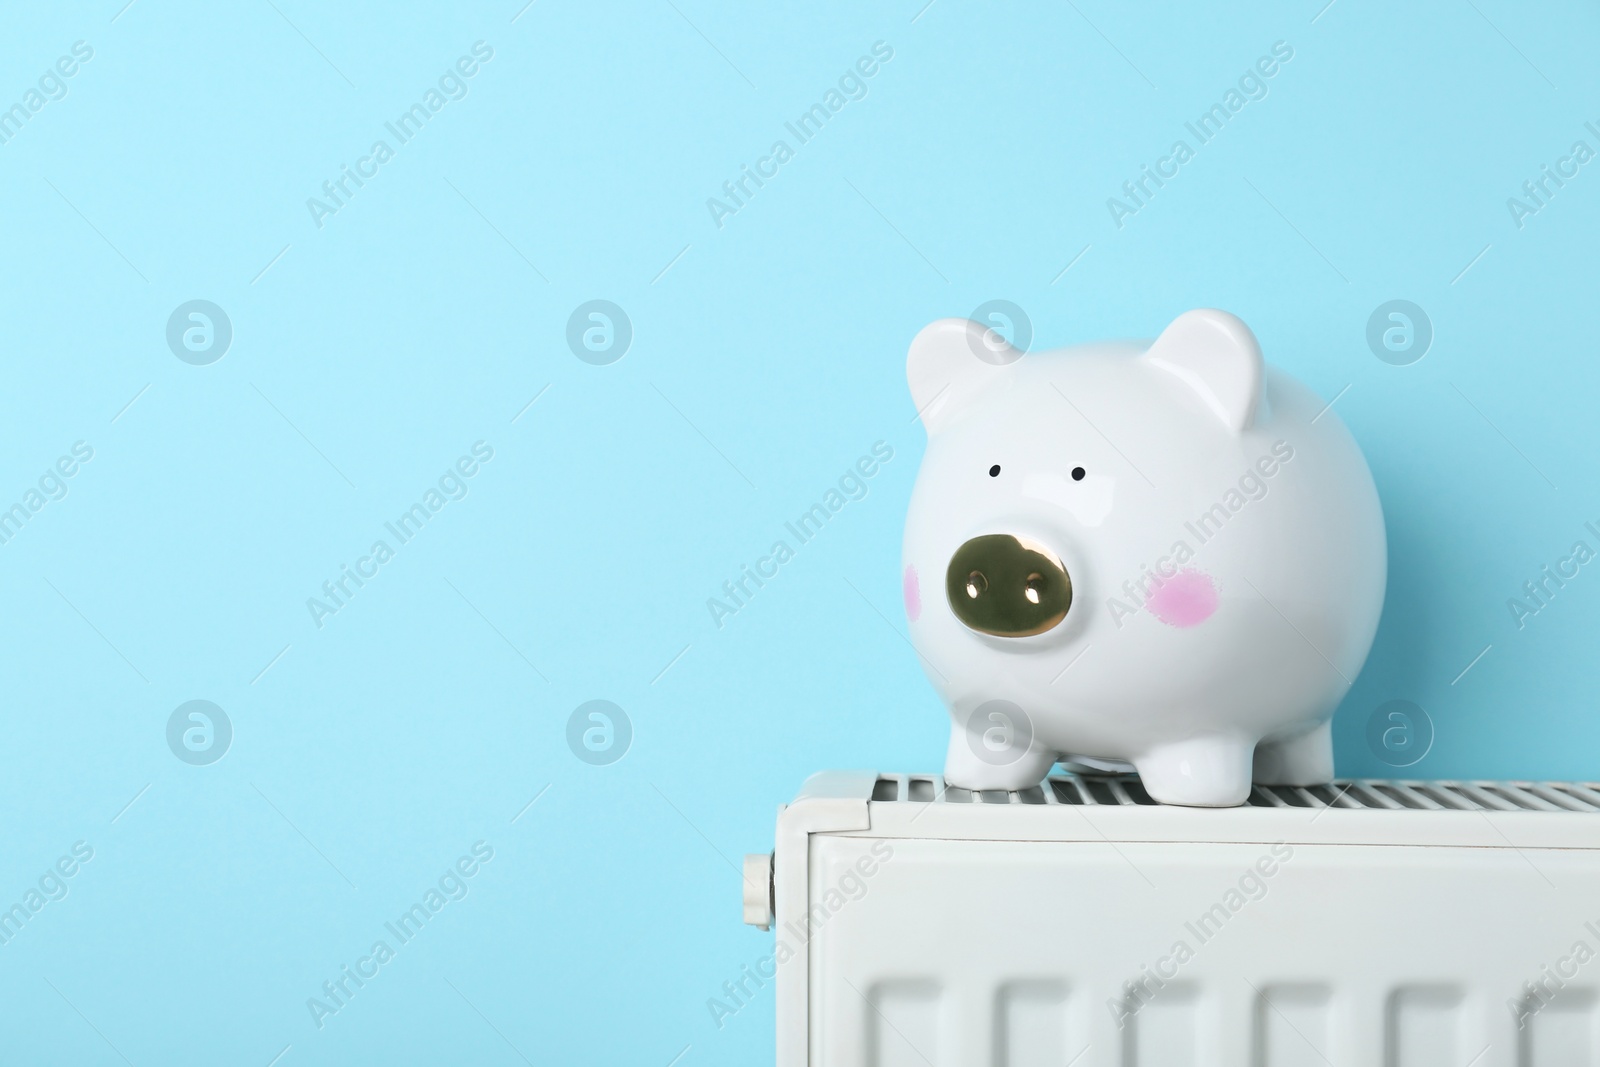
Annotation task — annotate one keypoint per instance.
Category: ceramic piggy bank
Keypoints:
(1165, 554)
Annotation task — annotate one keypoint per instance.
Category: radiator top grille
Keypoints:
(1373, 794)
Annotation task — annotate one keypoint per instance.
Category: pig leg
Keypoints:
(963, 767)
(1303, 760)
(1210, 771)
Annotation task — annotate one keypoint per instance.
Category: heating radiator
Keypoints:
(1079, 924)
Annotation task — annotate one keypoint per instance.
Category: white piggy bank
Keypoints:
(1162, 554)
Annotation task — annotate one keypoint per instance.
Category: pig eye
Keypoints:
(994, 471)
(1077, 474)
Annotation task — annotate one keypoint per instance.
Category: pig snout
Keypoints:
(1007, 586)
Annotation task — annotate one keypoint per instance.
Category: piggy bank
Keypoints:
(1164, 554)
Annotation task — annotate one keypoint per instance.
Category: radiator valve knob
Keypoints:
(758, 891)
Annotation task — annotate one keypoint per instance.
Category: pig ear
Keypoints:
(950, 362)
(1216, 356)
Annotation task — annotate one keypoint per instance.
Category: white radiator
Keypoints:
(1367, 923)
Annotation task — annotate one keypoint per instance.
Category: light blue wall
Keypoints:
(767, 356)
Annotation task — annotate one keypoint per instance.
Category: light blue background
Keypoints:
(374, 751)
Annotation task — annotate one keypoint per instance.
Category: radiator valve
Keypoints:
(758, 890)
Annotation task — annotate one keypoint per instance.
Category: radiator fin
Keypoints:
(1165, 1031)
(1125, 790)
(1423, 1028)
(1066, 791)
(1293, 1025)
(904, 1024)
(1565, 1029)
(1033, 1026)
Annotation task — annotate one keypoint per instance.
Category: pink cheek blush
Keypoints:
(912, 593)
(1188, 598)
